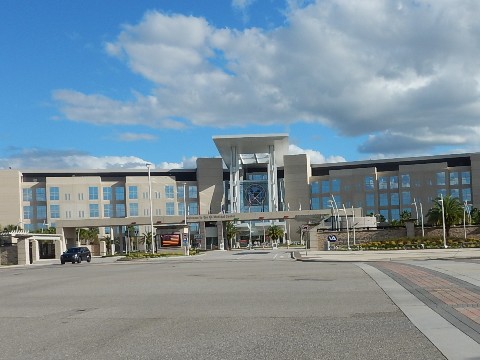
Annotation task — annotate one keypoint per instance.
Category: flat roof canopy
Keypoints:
(253, 149)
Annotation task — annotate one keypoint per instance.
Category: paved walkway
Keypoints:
(438, 290)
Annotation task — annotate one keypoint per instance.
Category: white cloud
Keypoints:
(72, 159)
(186, 163)
(136, 137)
(388, 69)
(315, 156)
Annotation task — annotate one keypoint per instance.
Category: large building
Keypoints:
(254, 175)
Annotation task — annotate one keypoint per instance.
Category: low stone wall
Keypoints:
(318, 239)
(8, 255)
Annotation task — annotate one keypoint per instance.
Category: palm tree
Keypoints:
(147, 237)
(231, 231)
(453, 210)
(275, 232)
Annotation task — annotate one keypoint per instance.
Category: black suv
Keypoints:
(76, 255)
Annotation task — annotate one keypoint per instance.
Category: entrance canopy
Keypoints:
(252, 149)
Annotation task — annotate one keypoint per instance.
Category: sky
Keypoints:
(88, 84)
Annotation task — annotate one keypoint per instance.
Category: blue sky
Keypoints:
(110, 84)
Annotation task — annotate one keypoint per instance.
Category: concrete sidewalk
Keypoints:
(385, 255)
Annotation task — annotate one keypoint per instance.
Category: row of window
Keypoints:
(386, 199)
(118, 192)
(392, 182)
(108, 211)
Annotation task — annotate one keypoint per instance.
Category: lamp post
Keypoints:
(348, 233)
(187, 248)
(443, 222)
(148, 165)
(421, 219)
(465, 205)
(336, 208)
(416, 209)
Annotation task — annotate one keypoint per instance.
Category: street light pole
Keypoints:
(443, 222)
(151, 206)
(464, 216)
(348, 233)
(187, 248)
(416, 209)
(421, 214)
(336, 208)
(353, 225)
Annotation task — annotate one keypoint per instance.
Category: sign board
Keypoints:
(185, 239)
(332, 238)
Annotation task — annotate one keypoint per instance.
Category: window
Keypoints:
(192, 192)
(369, 183)
(383, 199)
(27, 212)
(119, 193)
(120, 210)
(94, 213)
(181, 208)
(406, 200)
(395, 214)
(455, 193)
(27, 194)
(441, 178)
(55, 211)
(169, 192)
(92, 193)
(442, 192)
(106, 230)
(382, 183)
(335, 185)
(406, 180)
(326, 202)
(315, 187)
(394, 200)
(193, 208)
(41, 212)
(81, 214)
(465, 177)
(54, 193)
(325, 186)
(157, 195)
(133, 192)
(170, 208)
(370, 199)
(393, 182)
(80, 196)
(384, 213)
(107, 193)
(467, 194)
(67, 197)
(180, 192)
(107, 210)
(40, 194)
(68, 214)
(315, 203)
(454, 178)
(133, 209)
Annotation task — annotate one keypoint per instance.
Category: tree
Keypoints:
(147, 238)
(475, 216)
(453, 210)
(89, 235)
(275, 232)
(231, 231)
(405, 216)
(10, 228)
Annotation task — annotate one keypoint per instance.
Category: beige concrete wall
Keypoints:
(210, 185)
(11, 212)
(475, 170)
(297, 174)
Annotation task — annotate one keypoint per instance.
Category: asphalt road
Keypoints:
(245, 305)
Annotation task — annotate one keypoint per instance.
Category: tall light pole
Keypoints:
(353, 225)
(148, 165)
(443, 222)
(416, 210)
(348, 233)
(465, 205)
(336, 208)
(187, 248)
(421, 219)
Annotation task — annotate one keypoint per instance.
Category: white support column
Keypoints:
(35, 251)
(272, 180)
(234, 181)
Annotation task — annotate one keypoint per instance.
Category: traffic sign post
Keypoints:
(185, 243)
(331, 239)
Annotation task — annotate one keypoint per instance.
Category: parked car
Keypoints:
(76, 255)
